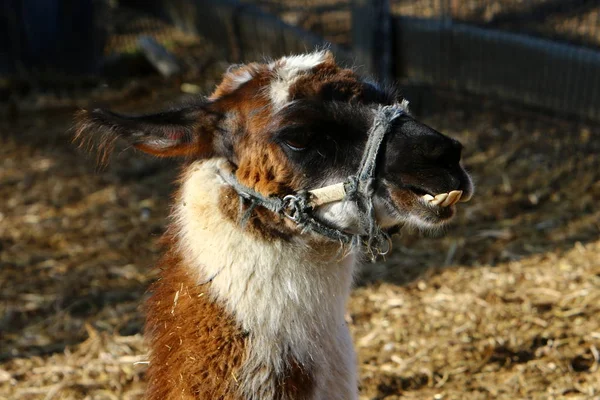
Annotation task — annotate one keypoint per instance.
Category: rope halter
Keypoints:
(359, 188)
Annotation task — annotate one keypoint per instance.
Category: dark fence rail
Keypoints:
(573, 21)
(243, 31)
(521, 68)
(43, 36)
(542, 53)
(480, 47)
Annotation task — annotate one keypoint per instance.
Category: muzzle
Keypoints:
(359, 188)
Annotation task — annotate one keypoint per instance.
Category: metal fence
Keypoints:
(543, 53)
(574, 21)
(330, 19)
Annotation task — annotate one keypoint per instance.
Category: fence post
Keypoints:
(372, 37)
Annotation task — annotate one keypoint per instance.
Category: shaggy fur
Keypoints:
(274, 289)
(255, 311)
(197, 349)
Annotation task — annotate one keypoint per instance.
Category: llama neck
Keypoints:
(282, 292)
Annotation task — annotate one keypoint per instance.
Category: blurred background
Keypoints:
(506, 305)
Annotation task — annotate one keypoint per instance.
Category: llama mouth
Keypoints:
(432, 210)
(393, 206)
(423, 209)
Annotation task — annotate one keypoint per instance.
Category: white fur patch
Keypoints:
(238, 77)
(404, 106)
(341, 214)
(286, 70)
(344, 215)
(242, 77)
(291, 300)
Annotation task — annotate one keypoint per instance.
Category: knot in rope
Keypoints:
(359, 189)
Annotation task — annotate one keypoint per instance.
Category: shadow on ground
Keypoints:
(77, 244)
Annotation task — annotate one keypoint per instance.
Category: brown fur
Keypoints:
(193, 141)
(328, 81)
(229, 85)
(102, 146)
(194, 344)
(261, 165)
(297, 383)
(263, 224)
(197, 349)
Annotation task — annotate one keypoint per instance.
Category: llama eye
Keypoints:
(296, 144)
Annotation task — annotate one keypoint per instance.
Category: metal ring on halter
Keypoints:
(389, 248)
(290, 208)
(358, 189)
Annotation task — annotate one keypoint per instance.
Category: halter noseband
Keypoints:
(359, 188)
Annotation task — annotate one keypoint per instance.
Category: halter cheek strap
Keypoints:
(359, 188)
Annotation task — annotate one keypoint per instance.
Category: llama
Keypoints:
(294, 170)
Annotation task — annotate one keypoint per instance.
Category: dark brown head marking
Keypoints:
(298, 123)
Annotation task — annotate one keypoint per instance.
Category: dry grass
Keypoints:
(505, 306)
(523, 329)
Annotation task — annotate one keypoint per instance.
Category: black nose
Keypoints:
(413, 144)
(423, 159)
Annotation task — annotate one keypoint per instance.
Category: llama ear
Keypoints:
(182, 132)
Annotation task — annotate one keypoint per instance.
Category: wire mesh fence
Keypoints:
(576, 21)
(544, 53)
(541, 53)
(329, 19)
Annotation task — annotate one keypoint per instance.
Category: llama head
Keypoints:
(301, 123)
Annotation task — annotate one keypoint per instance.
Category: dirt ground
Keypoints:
(506, 305)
